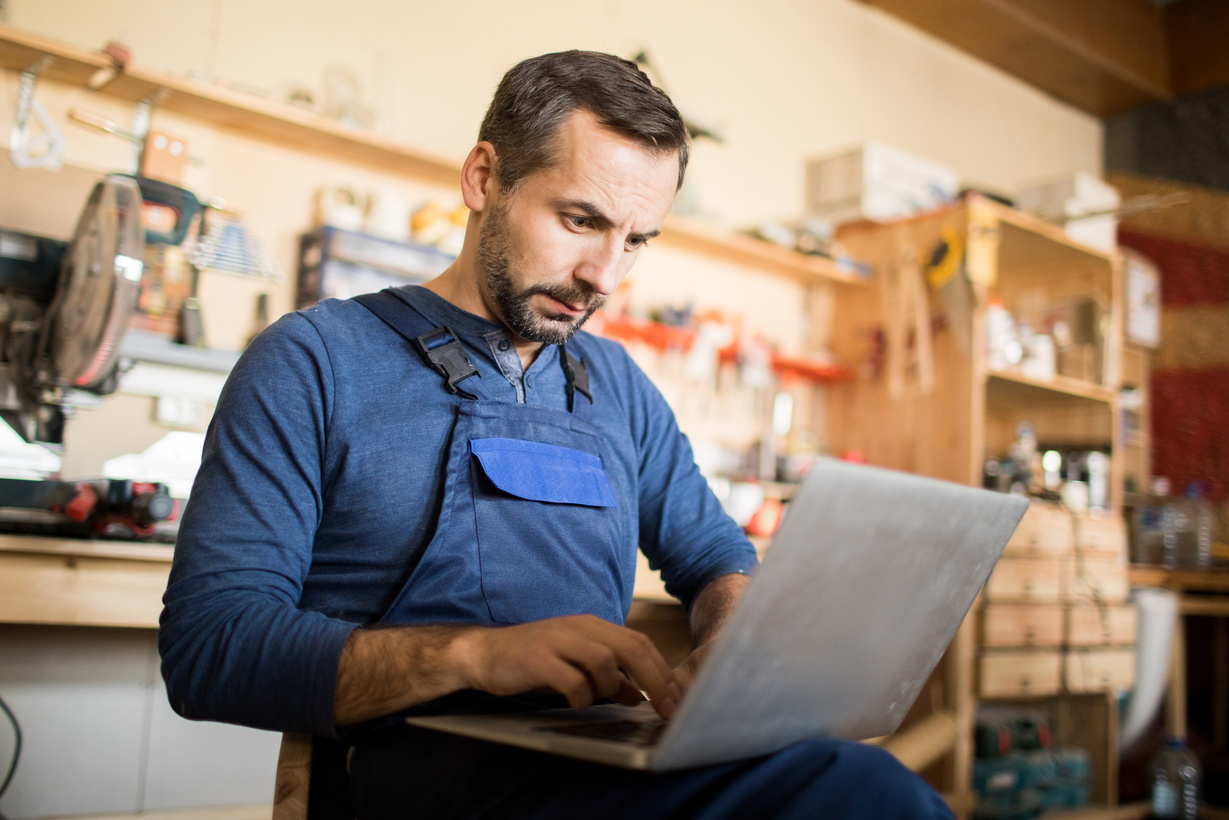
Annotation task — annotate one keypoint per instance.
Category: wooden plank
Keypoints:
(1197, 30)
(1103, 56)
(697, 236)
(1179, 579)
(133, 550)
(80, 590)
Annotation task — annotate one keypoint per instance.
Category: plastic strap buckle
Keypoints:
(446, 358)
(575, 374)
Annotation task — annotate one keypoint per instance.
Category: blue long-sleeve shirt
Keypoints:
(320, 483)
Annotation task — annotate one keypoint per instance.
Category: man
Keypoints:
(432, 500)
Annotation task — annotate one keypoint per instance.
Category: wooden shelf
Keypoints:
(1010, 386)
(747, 250)
(301, 128)
(1026, 242)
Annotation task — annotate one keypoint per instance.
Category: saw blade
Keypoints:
(99, 284)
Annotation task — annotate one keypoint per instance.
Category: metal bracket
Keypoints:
(138, 134)
(47, 149)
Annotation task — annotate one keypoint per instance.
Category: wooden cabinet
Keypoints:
(931, 399)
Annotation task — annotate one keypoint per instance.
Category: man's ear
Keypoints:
(478, 181)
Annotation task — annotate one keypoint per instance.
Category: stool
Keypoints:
(293, 779)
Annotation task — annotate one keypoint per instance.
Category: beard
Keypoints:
(513, 304)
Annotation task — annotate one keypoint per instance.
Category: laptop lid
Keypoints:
(866, 582)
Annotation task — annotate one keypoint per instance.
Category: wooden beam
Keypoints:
(1102, 56)
(1198, 31)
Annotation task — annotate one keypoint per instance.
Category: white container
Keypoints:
(876, 182)
(1069, 200)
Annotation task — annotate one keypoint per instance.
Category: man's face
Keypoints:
(550, 253)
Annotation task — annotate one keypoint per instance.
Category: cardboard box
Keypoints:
(876, 182)
(1069, 200)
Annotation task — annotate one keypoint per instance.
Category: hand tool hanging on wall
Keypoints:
(945, 272)
(26, 150)
(906, 309)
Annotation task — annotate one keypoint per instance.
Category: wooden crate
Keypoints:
(1045, 529)
(1092, 625)
(1011, 673)
(1098, 670)
(1092, 578)
(1021, 625)
(1020, 579)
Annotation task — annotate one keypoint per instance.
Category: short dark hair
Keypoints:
(538, 95)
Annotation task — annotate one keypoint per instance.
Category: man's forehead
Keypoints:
(596, 164)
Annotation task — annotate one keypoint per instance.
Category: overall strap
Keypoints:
(439, 346)
(576, 374)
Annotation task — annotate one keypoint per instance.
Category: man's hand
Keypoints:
(580, 656)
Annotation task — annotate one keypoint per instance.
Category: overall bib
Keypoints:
(530, 526)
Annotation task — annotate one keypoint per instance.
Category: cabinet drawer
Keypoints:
(1106, 535)
(1100, 579)
(1092, 625)
(1045, 529)
(1025, 579)
(1011, 673)
(1008, 625)
(1098, 670)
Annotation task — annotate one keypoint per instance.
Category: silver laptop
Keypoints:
(863, 588)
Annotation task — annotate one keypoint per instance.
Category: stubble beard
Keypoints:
(514, 305)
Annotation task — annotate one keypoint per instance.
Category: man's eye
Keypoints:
(581, 221)
(635, 242)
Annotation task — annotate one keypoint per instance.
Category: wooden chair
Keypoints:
(293, 779)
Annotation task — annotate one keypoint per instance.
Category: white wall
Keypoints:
(783, 79)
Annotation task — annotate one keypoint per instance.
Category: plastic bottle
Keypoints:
(1186, 525)
(1203, 521)
(1175, 783)
(1148, 537)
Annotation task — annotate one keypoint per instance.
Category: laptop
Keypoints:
(864, 586)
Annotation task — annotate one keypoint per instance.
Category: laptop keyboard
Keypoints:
(635, 732)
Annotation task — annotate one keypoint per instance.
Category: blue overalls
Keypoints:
(530, 528)
(533, 522)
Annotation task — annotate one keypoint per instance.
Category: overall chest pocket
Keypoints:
(549, 531)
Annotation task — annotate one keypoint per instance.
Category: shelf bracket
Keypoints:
(138, 134)
(47, 149)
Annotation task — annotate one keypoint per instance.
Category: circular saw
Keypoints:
(70, 344)
(100, 283)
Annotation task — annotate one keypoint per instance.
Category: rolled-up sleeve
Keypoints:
(684, 531)
(235, 646)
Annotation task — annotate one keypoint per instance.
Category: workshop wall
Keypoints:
(790, 81)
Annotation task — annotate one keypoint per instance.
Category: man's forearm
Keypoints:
(385, 670)
(583, 657)
(713, 606)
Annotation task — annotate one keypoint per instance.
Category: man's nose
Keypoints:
(603, 266)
